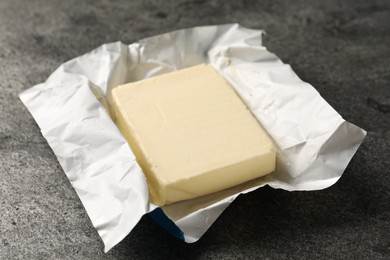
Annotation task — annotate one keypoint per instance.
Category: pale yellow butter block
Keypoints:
(191, 133)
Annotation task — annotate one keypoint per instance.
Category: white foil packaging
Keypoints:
(314, 142)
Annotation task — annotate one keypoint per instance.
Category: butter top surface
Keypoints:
(191, 125)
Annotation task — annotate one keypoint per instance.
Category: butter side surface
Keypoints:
(191, 133)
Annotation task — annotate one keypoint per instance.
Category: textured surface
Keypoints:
(341, 47)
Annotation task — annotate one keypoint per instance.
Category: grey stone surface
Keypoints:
(341, 47)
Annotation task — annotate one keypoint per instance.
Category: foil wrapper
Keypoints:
(72, 108)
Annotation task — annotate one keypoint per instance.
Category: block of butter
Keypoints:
(191, 134)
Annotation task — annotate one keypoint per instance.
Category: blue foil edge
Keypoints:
(159, 216)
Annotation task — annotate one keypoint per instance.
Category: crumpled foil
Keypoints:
(72, 108)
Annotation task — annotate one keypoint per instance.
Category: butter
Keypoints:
(191, 134)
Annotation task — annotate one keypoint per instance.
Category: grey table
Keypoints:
(340, 47)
